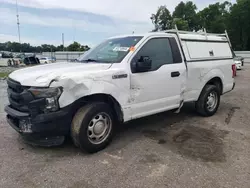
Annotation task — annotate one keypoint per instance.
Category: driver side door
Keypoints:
(159, 88)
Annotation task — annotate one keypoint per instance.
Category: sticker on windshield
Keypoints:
(132, 48)
(121, 49)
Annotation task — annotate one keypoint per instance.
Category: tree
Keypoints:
(59, 48)
(162, 20)
(84, 48)
(75, 46)
(181, 24)
(185, 13)
(214, 17)
(26, 47)
(239, 25)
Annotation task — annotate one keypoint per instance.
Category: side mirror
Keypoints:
(143, 64)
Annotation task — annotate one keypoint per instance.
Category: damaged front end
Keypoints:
(35, 114)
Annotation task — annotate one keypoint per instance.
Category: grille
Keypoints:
(16, 93)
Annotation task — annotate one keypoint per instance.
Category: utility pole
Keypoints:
(74, 36)
(18, 23)
(63, 40)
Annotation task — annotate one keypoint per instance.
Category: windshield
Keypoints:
(111, 51)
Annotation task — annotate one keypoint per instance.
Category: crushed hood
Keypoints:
(42, 75)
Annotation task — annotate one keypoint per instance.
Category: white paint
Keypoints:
(42, 75)
(139, 94)
(45, 60)
(205, 47)
(156, 91)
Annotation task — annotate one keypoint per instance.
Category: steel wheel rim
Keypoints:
(99, 128)
(212, 101)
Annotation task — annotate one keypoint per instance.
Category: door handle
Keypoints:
(175, 74)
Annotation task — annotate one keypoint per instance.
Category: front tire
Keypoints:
(93, 127)
(209, 101)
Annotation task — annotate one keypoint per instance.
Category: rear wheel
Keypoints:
(209, 101)
(92, 127)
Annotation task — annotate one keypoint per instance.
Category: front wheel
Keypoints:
(92, 127)
(209, 101)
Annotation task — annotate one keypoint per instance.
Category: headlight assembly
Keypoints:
(51, 96)
(46, 92)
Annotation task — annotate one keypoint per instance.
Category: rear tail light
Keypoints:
(233, 70)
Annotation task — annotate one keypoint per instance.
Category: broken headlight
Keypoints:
(51, 96)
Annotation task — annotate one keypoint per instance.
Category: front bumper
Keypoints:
(43, 129)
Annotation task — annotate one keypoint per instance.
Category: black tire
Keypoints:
(81, 123)
(45, 62)
(9, 63)
(202, 106)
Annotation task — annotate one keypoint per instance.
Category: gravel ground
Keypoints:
(165, 150)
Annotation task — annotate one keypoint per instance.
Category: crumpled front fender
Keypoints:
(74, 90)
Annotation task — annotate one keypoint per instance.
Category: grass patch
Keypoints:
(4, 74)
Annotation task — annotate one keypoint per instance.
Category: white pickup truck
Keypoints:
(123, 78)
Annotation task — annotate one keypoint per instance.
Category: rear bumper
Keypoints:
(43, 129)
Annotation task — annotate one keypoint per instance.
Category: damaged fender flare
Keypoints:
(106, 98)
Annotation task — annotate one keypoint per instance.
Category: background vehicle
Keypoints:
(239, 61)
(31, 60)
(123, 78)
(46, 60)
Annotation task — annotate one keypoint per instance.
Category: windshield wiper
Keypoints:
(88, 60)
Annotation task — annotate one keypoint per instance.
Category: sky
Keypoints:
(85, 21)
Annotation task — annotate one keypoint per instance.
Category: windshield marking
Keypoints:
(120, 49)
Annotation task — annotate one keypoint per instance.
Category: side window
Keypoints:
(158, 50)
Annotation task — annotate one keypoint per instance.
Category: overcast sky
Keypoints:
(85, 21)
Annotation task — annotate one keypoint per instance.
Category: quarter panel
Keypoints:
(199, 73)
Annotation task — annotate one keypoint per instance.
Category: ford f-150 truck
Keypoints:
(121, 79)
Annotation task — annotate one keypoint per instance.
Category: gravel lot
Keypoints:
(165, 150)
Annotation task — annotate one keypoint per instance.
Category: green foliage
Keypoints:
(239, 25)
(4, 74)
(186, 12)
(216, 18)
(75, 46)
(162, 19)
(181, 23)
(25, 47)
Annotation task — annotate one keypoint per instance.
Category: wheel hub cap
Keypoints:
(212, 101)
(99, 127)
